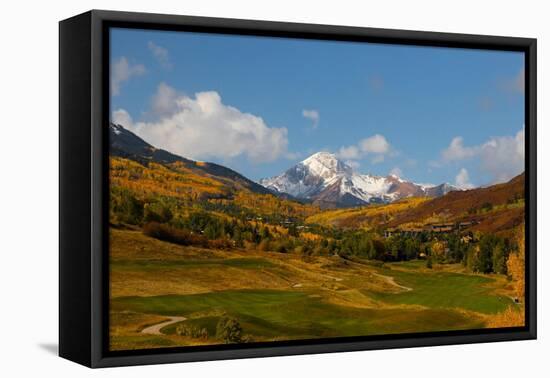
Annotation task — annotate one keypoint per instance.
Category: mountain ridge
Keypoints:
(326, 180)
(126, 144)
(493, 208)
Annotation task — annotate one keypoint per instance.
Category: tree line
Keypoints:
(200, 225)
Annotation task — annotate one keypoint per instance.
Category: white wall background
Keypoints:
(29, 187)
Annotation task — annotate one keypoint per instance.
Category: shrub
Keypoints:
(220, 244)
(249, 246)
(318, 250)
(264, 245)
(299, 249)
(173, 235)
(192, 331)
(487, 206)
(280, 246)
(229, 330)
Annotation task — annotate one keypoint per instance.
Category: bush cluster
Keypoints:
(174, 235)
(229, 330)
(192, 331)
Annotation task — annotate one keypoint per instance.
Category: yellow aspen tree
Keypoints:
(516, 265)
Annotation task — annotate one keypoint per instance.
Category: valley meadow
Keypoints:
(200, 255)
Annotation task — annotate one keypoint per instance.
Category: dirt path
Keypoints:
(392, 282)
(155, 329)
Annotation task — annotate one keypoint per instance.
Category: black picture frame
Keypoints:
(83, 181)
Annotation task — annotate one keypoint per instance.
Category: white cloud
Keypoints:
(354, 164)
(160, 54)
(500, 157)
(504, 157)
(396, 171)
(122, 71)
(462, 179)
(121, 117)
(203, 127)
(312, 115)
(376, 146)
(165, 100)
(350, 152)
(457, 150)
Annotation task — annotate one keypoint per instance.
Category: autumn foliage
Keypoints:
(513, 316)
(156, 179)
(516, 266)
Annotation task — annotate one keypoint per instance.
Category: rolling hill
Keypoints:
(498, 208)
(495, 208)
(125, 144)
(152, 175)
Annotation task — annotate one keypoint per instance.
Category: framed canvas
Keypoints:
(235, 188)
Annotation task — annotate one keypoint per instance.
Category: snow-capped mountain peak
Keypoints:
(326, 165)
(117, 129)
(325, 179)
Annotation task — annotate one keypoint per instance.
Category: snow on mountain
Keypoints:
(326, 180)
(325, 165)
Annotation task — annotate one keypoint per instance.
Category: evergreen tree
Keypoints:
(500, 257)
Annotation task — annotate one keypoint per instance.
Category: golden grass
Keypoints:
(143, 266)
(125, 322)
(364, 217)
(212, 272)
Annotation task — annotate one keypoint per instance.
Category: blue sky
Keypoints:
(430, 115)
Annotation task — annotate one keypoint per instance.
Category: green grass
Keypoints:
(312, 311)
(234, 300)
(412, 264)
(270, 314)
(444, 290)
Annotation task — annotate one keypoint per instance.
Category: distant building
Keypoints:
(437, 228)
(442, 227)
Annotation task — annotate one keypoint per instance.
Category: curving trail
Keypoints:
(392, 282)
(155, 329)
